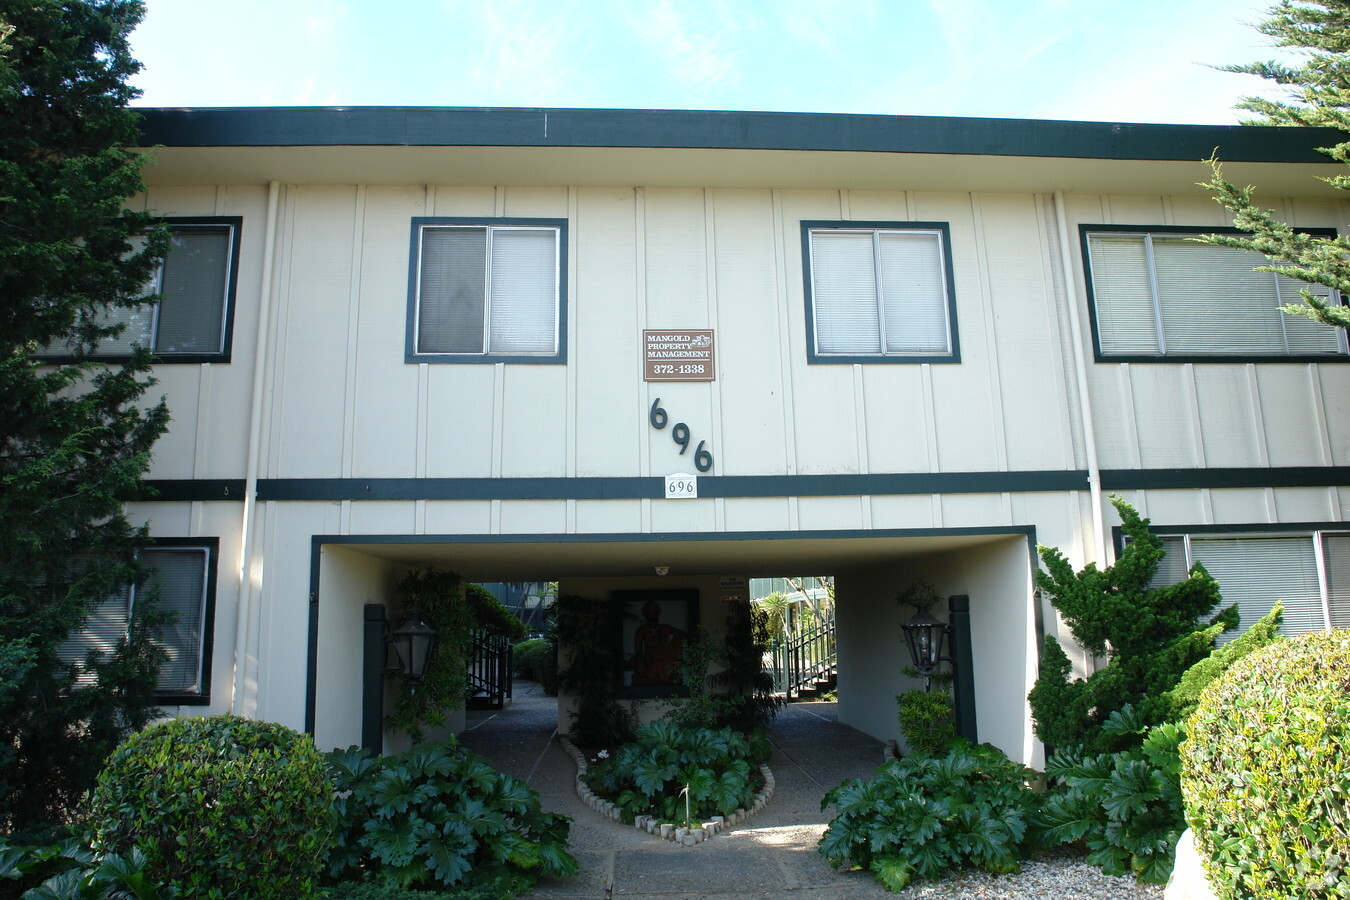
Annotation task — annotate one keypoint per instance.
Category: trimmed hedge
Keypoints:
(1266, 772)
(221, 806)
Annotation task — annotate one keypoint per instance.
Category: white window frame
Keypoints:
(1283, 289)
(231, 227)
(421, 226)
(76, 648)
(1318, 540)
(942, 277)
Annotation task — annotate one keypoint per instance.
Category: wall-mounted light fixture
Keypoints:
(413, 642)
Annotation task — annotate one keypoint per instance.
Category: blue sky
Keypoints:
(1098, 60)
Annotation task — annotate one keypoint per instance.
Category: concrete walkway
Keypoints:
(771, 855)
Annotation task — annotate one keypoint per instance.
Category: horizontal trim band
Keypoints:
(695, 129)
(744, 486)
(1255, 477)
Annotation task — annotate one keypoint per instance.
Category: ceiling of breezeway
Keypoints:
(539, 558)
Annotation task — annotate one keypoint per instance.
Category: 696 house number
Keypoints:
(679, 433)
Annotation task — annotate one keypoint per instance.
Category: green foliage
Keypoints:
(71, 871)
(924, 816)
(438, 815)
(73, 441)
(649, 776)
(537, 660)
(491, 615)
(1186, 695)
(365, 890)
(1150, 637)
(589, 630)
(440, 597)
(1126, 807)
(1265, 772)
(1318, 94)
(221, 806)
(927, 721)
(746, 689)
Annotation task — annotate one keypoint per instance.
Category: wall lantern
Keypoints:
(413, 642)
(924, 633)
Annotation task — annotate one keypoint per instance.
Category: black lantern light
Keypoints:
(413, 642)
(924, 634)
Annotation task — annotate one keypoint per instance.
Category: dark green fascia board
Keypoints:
(1254, 477)
(728, 486)
(653, 488)
(698, 129)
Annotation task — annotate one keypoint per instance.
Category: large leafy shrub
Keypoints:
(1149, 637)
(1125, 807)
(590, 661)
(650, 775)
(439, 815)
(221, 806)
(71, 870)
(923, 816)
(537, 660)
(1266, 772)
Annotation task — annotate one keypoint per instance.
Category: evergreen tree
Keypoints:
(1149, 637)
(74, 442)
(1318, 95)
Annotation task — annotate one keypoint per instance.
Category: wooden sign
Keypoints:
(677, 355)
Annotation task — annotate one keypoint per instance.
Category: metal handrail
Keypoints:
(805, 659)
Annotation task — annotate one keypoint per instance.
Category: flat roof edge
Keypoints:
(685, 129)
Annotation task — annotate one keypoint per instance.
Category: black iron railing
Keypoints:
(489, 671)
(805, 661)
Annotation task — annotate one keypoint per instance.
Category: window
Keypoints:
(483, 292)
(879, 292)
(196, 283)
(182, 581)
(1160, 294)
(1309, 573)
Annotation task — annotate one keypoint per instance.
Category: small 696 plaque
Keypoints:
(681, 487)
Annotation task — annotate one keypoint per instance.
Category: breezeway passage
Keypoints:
(773, 855)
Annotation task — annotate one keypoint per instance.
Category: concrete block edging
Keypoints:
(687, 837)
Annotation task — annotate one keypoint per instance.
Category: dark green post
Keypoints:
(375, 655)
(963, 662)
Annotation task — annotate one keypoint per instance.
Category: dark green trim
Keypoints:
(410, 354)
(815, 357)
(1180, 358)
(1255, 477)
(212, 547)
(653, 488)
(500, 127)
(183, 489)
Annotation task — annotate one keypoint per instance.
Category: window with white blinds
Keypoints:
(1308, 573)
(1160, 294)
(881, 293)
(195, 284)
(487, 291)
(179, 585)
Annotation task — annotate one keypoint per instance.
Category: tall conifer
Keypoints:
(74, 437)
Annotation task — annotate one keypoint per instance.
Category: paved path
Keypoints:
(771, 855)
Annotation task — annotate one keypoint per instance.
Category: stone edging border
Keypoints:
(685, 836)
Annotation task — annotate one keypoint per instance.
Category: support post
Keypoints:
(963, 661)
(375, 655)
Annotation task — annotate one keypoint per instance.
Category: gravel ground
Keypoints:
(1060, 877)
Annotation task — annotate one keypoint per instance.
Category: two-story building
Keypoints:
(887, 349)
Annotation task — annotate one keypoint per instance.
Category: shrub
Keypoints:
(1150, 637)
(438, 815)
(649, 775)
(925, 815)
(926, 721)
(1125, 807)
(221, 806)
(490, 614)
(537, 660)
(1265, 772)
(71, 869)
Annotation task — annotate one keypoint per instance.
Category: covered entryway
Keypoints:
(992, 567)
